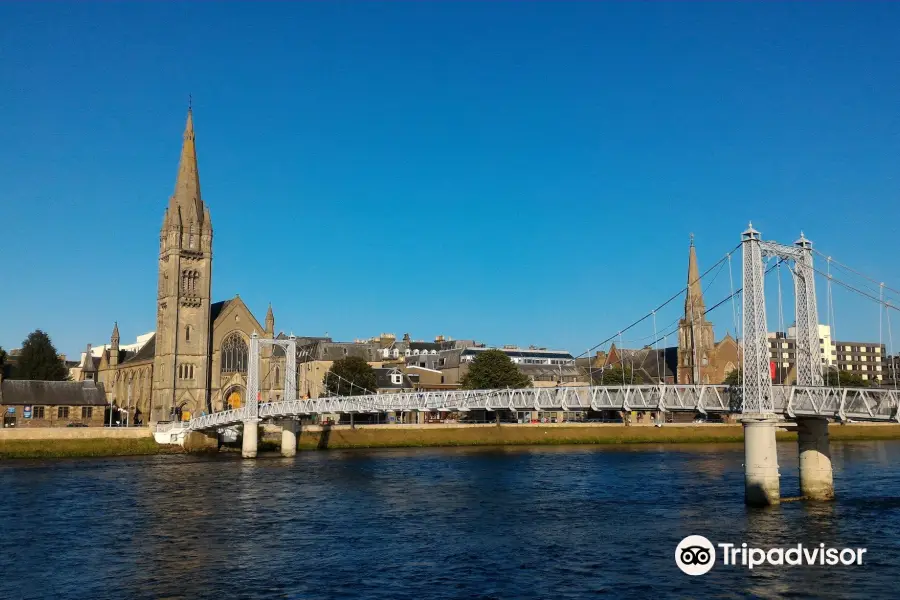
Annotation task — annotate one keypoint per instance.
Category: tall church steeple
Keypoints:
(694, 297)
(180, 367)
(695, 334)
(186, 201)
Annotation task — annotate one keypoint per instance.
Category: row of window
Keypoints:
(868, 349)
(843, 348)
(62, 412)
(185, 371)
(189, 281)
(395, 352)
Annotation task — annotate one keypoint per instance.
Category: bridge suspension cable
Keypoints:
(674, 296)
(840, 265)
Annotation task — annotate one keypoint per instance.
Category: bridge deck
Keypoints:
(862, 404)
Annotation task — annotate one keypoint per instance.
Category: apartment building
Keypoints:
(860, 358)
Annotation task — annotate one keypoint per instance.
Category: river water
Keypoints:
(536, 522)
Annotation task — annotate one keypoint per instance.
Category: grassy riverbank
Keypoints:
(83, 448)
(364, 437)
(511, 436)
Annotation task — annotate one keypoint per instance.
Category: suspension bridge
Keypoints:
(756, 401)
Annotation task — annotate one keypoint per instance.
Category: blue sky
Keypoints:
(513, 172)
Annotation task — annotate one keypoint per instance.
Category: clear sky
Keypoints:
(523, 173)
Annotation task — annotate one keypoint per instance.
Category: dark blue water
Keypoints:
(438, 523)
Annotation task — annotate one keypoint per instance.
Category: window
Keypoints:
(189, 281)
(277, 374)
(38, 412)
(396, 378)
(62, 412)
(235, 353)
(187, 333)
(87, 412)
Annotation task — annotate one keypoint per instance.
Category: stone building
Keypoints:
(26, 403)
(197, 359)
(700, 358)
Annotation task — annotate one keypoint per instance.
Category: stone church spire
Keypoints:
(270, 321)
(694, 296)
(181, 363)
(186, 204)
(696, 343)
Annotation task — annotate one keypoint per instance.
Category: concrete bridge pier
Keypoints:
(289, 438)
(249, 438)
(762, 485)
(816, 476)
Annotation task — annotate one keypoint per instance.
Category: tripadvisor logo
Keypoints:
(696, 555)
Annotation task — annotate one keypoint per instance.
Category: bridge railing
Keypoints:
(791, 401)
(841, 403)
(219, 419)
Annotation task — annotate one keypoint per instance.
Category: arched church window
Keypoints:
(187, 333)
(235, 353)
(277, 374)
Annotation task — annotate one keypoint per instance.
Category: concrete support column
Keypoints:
(249, 438)
(816, 476)
(289, 438)
(762, 486)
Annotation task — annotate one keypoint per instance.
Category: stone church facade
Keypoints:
(197, 359)
(700, 358)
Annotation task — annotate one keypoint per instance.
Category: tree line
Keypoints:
(37, 359)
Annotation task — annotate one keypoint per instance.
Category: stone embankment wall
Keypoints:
(75, 433)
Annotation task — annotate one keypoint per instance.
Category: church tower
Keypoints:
(696, 343)
(114, 346)
(181, 363)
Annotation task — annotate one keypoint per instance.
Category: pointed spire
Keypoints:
(186, 202)
(114, 338)
(270, 320)
(87, 366)
(695, 289)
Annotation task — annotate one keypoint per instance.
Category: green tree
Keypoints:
(617, 375)
(493, 369)
(40, 360)
(351, 376)
(844, 379)
(734, 378)
(2, 361)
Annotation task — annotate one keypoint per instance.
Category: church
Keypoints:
(197, 359)
(700, 358)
